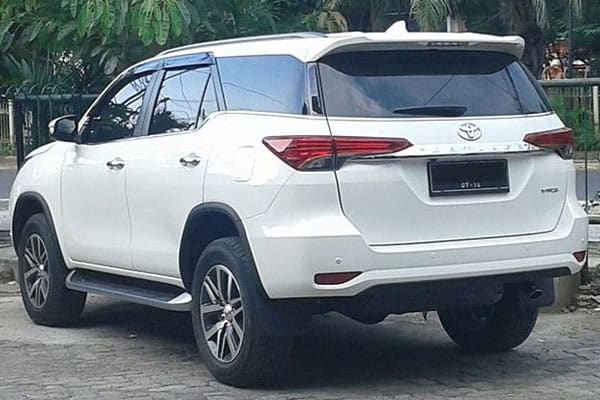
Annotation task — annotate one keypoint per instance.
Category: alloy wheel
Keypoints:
(222, 313)
(35, 274)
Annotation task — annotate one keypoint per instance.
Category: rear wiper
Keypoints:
(437, 111)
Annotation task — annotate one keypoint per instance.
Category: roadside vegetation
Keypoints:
(82, 44)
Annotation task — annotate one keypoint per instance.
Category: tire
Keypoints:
(490, 329)
(248, 359)
(47, 302)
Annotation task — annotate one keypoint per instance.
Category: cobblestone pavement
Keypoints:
(123, 351)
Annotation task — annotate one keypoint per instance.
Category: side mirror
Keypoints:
(63, 128)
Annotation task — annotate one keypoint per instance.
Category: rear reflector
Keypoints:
(318, 153)
(335, 278)
(579, 255)
(560, 140)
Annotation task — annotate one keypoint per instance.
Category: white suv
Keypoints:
(256, 182)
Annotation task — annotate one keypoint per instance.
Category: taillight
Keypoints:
(318, 153)
(560, 140)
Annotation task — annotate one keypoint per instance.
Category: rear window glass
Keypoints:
(404, 84)
(263, 83)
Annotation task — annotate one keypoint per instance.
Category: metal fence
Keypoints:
(30, 108)
(576, 94)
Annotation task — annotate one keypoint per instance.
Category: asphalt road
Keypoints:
(6, 179)
(8, 175)
(593, 184)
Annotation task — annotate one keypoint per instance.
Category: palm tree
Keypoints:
(527, 18)
(359, 15)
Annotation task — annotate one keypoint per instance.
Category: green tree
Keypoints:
(84, 42)
(77, 39)
(528, 18)
(536, 20)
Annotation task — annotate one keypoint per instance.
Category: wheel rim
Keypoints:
(35, 275)
(222, 313)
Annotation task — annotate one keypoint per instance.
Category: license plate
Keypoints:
(447, 178)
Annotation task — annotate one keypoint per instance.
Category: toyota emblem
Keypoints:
(469, 131)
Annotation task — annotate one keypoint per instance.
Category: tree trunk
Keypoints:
(365, 16)
(533, 57)
(520, 16)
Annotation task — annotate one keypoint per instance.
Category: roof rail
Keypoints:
(296, 35)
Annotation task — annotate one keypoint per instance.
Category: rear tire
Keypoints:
(496, 328)
(228, 312)
(42, 272)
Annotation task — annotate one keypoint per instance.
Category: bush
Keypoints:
(7, 149)
(580, 120)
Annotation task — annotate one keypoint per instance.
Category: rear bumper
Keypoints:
(289, 250)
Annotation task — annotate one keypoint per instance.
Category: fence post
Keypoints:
(596, 108)
(19, 145)
(11, 121)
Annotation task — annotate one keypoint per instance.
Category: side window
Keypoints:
(264, 83)
(184, 98)
(117, 117)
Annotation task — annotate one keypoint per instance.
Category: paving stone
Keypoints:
(403, 358)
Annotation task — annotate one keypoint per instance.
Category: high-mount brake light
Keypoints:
(560, 140)
(318, 153)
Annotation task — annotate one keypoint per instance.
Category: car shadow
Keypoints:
(335, 351)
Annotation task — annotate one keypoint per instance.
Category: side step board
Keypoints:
(139, 291)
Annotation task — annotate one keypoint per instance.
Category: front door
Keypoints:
(96, 225)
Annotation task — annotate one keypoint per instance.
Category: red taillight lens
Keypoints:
(335, 278)
(317, 153)
(580, 255)
(560, 140)
(303, 152)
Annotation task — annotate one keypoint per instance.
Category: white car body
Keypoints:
(374, 216)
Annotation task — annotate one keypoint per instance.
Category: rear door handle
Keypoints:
(191, 160)
(116, 164)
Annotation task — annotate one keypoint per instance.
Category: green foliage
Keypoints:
(152, 21)
(578, 119)
(85, 42)
(7, 149)
(431, 13)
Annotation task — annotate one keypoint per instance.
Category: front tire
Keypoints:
(42, 273)
(228, 312)
(491, 329)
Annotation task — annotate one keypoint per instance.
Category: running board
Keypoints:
(139, 291)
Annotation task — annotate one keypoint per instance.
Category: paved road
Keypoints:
(123, 351)
(593, 184)
(6, 179)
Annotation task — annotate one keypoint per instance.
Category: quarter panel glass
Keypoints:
(263, 83)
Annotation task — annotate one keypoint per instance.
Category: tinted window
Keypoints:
(117, 117)
(180, 96)
(265, 83)
(405, 84)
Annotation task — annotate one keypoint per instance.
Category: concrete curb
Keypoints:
(7, 269)
(8, 259)
(8, 162)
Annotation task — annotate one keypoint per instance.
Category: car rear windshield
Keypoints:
(405, 84)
